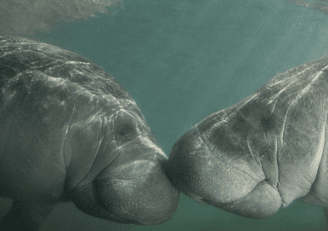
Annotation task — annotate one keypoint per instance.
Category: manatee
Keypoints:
(70, 132)
(262, 153)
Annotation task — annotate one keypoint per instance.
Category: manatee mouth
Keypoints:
(144, 200)
(150, 199)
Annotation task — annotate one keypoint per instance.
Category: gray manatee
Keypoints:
(70, 132)
(262, 153)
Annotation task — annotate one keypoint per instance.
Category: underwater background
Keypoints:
(183, 60)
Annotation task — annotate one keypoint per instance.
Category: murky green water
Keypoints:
(183, 60)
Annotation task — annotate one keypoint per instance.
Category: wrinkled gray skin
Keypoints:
(262, 153)
(69, 131)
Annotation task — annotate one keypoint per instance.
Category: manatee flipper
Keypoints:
(25, 216)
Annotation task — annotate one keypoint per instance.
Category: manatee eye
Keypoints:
(125, 127)
(125, 130)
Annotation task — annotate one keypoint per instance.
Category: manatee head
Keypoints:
(126, 182)
(262, 153)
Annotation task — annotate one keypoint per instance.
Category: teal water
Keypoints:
(183, 60)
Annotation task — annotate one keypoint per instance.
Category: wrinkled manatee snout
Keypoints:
(133, 188)
(198, 172)
(138, 193)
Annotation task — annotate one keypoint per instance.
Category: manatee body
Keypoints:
(70, 132)
(262, 153)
